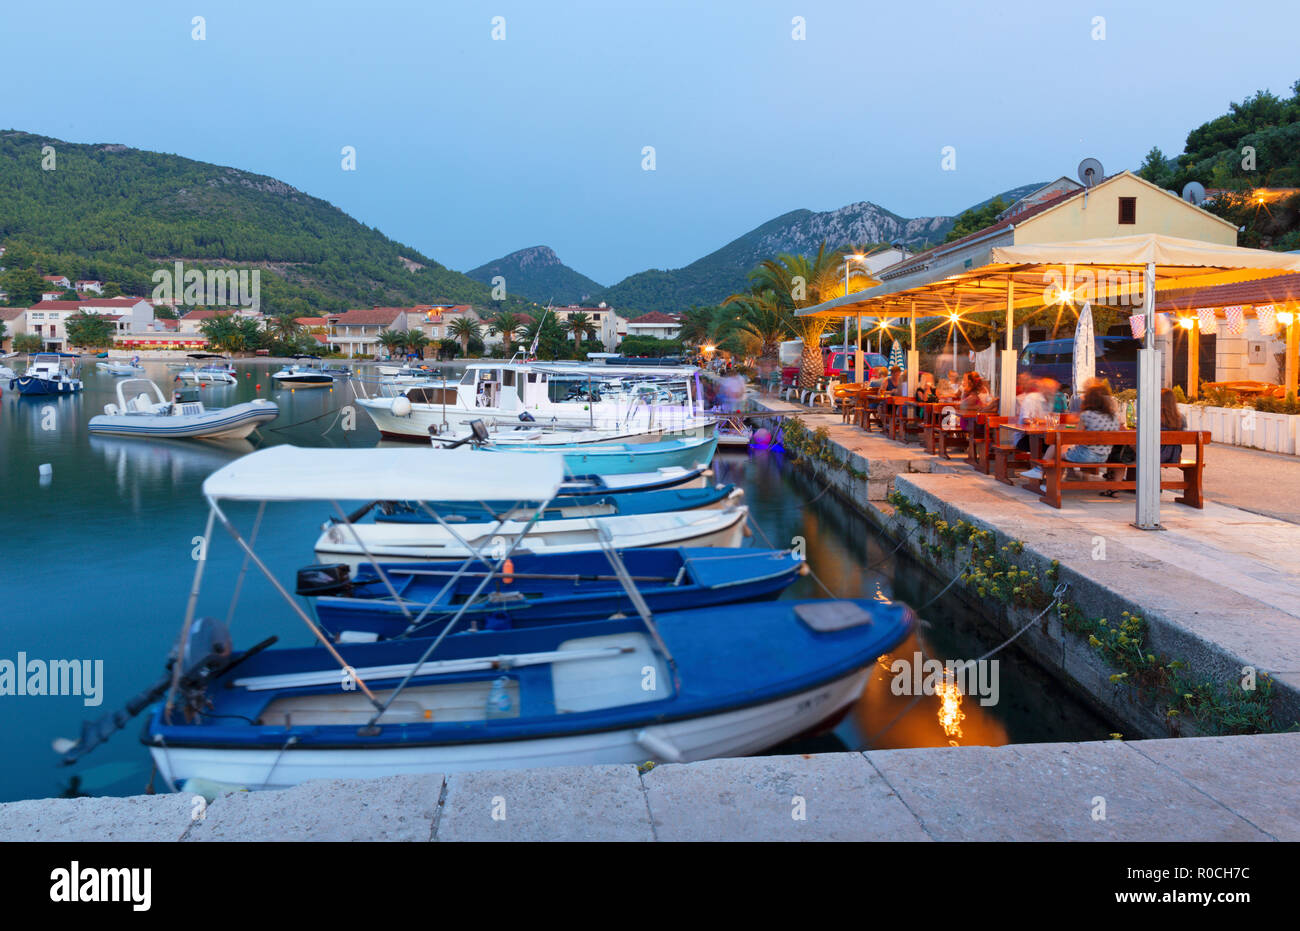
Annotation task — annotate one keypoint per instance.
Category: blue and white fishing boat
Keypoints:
(538, 589)
(618, 458)
(675, 686)
(676, 477)
(48, 373)
(566, 507)
(152, 415)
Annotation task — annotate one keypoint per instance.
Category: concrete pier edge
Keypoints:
(1190, 789)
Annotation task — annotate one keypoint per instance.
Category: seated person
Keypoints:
(1031, 405)
(949, 389)
(1097, 413)
(975, 396)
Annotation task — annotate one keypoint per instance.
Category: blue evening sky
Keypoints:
(469, 148)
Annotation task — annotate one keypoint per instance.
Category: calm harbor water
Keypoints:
(98, 562)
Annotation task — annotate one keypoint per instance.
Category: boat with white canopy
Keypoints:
(504, 394)
(676, 686)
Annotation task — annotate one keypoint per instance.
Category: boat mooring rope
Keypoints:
(1057, 594)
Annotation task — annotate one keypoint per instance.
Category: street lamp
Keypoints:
(861, 260)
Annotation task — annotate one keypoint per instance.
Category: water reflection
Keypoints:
(138, 464)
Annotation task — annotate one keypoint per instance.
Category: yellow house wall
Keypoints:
(1157, 212)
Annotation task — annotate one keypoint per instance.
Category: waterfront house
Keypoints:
(356, 332)
(607, 323)
(14, 320)
(47, 318)
(656, 324)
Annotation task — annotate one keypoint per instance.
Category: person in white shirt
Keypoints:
(1032, 405)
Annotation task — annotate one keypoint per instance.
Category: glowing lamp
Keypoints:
(1285, 317)
(1186, 322)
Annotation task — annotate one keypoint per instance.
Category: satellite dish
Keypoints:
(1090, 172)
(1194, 193)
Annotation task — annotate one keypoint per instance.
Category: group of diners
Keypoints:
(1098, 410)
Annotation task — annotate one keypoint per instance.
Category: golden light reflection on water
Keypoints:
(940, 720)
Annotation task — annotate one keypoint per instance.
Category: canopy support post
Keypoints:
(1007, 388)
(1292, 352)
(913, 356)
(857, 353)
(1194, 361)
(1148, 414)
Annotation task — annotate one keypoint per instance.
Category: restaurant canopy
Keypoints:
(1033, 275)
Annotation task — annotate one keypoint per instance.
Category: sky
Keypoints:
(469, 147)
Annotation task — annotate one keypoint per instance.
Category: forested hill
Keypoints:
(117, 214)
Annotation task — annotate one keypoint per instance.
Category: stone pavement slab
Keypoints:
(1044, 792)
(566, 803)
(394, 808)
(134, 818)
(1258, 779)
(827, 797)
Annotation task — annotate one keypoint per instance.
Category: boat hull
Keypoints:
(732, 733)
(416, 424)
(229, 423)
(44, 387)
(432, 543)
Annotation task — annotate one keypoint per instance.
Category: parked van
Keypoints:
(1054, 358)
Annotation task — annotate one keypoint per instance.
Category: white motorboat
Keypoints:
(217, 373)
(117, 367)
(303, 374)
(140, 413)
(505, 394)
(48, 373)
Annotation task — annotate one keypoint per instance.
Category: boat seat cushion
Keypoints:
(828, 616)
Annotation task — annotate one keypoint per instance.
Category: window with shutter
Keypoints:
(1128, 210)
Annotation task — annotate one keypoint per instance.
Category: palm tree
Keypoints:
(284, 327)
(465, 329)
(763, 320)
(697, 325)
(393, 341)
(221, 333)
(417, 342)
(508, 325)
(579, 325)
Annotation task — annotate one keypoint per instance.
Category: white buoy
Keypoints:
(401, 406)
(46, 470)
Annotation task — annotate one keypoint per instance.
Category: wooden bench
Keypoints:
(1192, 467)
(982, 439)
(960, 436)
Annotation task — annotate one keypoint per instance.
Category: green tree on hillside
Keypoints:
(23, 285)
(976, 219)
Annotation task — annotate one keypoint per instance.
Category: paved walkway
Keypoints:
(1197, 789)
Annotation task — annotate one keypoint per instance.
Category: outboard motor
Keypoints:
(208, 654)
(325, 579)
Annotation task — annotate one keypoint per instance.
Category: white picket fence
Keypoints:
(1238, 426)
